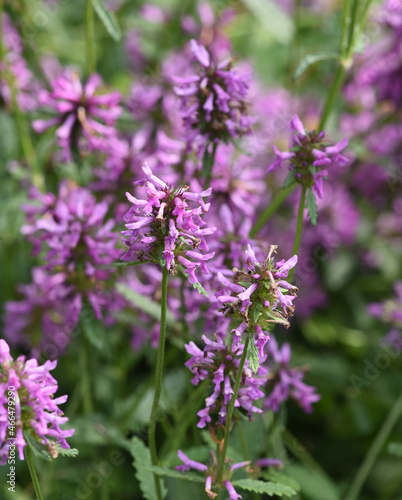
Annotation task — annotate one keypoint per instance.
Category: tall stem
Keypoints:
(85, 373)
(90, 38)
(32, 472)
(231, 409)
(336, 85)
(158, 380)
(299, 227)
(374, 450)
(271, 209)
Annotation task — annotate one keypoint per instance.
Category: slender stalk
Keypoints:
(90, 38)
(211, 161)
(336, 85)
(375, 448)
(32, 472)
(85, 374)
(299, 226)
(158, 381)
(277, 201)
(231, 409)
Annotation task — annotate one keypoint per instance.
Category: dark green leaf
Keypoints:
(252, 355)
(108, 19)
(289, 179)
(311, 207)
(309, 60)
(263, 487)
(257, 311)
(164, 471)
(197, 286)
(142, 462)
(94, 330)
(279, 477)
(37, 449)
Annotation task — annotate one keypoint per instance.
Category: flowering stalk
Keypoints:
(231, 408)
(32, 472)
(271, 209)
(90, 37)
(299, 227)
(158, 380)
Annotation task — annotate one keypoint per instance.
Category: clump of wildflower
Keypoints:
(213, 101)
(211, 472)
(45, 317)
(285, 382)
(77, 240)
(163, 228)
(309, 157)
(28, 389)
(260, 296)
(80, 110)
(219, 363)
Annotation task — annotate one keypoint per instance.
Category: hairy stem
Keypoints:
(299, 227)
(231, 408)
(276, 202)
(364, 470)
(158, 380)
(32, 472)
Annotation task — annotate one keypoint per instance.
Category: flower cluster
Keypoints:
(213, 101)
(29, 388)
(260, 296)
(285, 382)
(80, 109)
(219, 363)
(163, 227)
(309, 157)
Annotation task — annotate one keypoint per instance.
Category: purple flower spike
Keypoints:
(213, 102)
(164, 226)
(31, 387)
(308, 156)
(79, 108)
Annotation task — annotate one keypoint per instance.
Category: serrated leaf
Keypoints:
(278, 477)
(252, 355)
(69, 452)
(142, 462)
(312, 207)
(164, 471)
(289, 179)
(264, 487)
(144, 303)
(309, 60)
(257, 311)
(37, 449)
(108, 19)
(395, 449)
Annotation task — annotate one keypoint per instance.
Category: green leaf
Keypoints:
(278, 477)
(206, 163)
(312, 207)
(144, 303)
(289, 179)
(252, 355)
(395, 449)
(313, 483)
(142, 462)
(94, 330)
(263, 487)
(257, 311)
(37, 449)
(70, 452)
(275, 20)
(309, 60)
(108, 18)
(164, 471)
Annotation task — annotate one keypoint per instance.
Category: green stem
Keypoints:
(90, 38)
(32, 471)
(336, 85)
(85, 374)
(231, 409)
(209, 166)
(276, 202)
(158, 380)
(375, 448)
(299, 227)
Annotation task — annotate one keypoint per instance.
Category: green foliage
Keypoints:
(108, 19)
(311, 207)
(395, 449)
(270, 489)
(164, 471)
(252, 355)
(37, 449)
(309, 60)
